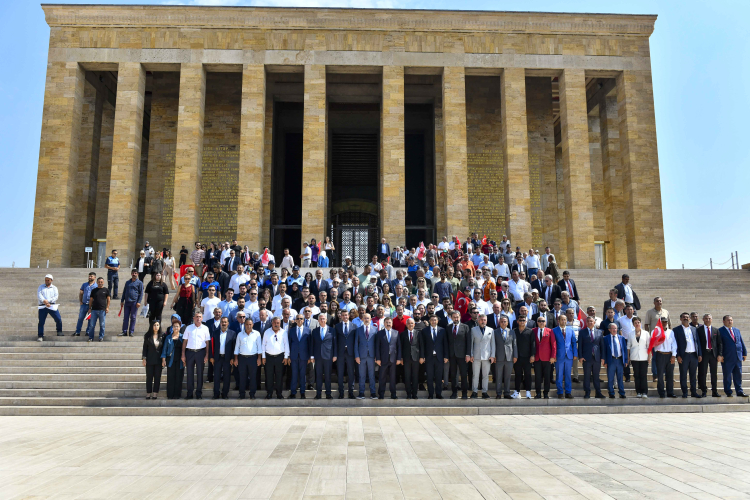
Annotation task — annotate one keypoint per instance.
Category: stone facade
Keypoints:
(194, 109)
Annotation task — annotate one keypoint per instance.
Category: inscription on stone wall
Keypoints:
(486, 192)
(168, 198)
(535, 192)
(218, 206)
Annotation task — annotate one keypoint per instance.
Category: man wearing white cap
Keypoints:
(47, 302)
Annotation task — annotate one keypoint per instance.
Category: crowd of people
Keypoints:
(444, 317)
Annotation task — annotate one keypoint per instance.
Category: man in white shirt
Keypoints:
(591, 313)
(211, 302)
(421, 298)
(287, 262)
(518, 287)
(306, 255)
(275, 356)
(278, 298)
(626, 328)
(443, 245)
(240, 278)
(286, 304)
(545, 259)
(248, 357)
(195, 354)
(47, 296)
(665, 355)
(482, 306)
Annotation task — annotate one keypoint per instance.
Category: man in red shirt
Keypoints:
(399, 322)
(546, 349)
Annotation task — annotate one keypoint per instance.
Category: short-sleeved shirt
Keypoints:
(156, 292)
(100, 298)
(113, 262)
(86, 289)
(196, 337)
(652, 317)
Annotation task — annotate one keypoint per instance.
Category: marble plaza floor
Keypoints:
(522, 457)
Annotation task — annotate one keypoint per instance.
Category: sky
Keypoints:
(701, 78)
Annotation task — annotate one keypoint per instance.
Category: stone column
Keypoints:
(252, 130)
(124, 180)
(440, 180)
(516, 156)
(86, 176)
(58, 162)
(454, 134)
(267, 173)
(393, 157)
(617, 249)
(640, 166)
(579, 214)
(314, 154)
(105, 167)
(188, 157)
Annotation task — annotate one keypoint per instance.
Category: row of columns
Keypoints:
(633, 216)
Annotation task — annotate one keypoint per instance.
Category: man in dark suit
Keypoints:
(319, 285)
(433, 351)
(222, 278)
(550, 319)
(387, 356)
(519, 266)
(410, 356)
(689, 354)
(568, 285)
(221, 354)
(459, 345)
(230, 263)
(711, 347)
(324, 352)
(615, 349)
(732, 356)
(261, 326)
(550, 292)
(590, 357)
(506, 354)
(626, 293)
(300, 352)
(384, 250)
(214, 325)
(345, 364)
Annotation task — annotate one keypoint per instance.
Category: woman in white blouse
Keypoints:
(639, 356)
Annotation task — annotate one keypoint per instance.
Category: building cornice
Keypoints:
(277, 18)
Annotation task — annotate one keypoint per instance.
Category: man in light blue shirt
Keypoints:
(83, 297)
(228, 306)
(568, 303)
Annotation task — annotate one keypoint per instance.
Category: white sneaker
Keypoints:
(528, 395)
(644, 396)
(515, 395)
(40, 339)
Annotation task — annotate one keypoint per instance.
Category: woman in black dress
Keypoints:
(153, 341)
(171, 355)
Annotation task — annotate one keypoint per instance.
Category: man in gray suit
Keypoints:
(324, 354)
(459, 349)
(506, 353)
(364, 355)
(387, 356)
(482, 349)
(309, 325)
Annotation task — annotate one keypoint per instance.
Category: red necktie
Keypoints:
(708, 336)
(455, 330)
(592, 335)
(411, 336)
(731, 332)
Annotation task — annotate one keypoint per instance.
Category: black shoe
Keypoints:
(560, 396)
(695, 395)
(474, 395)
(546, 396)
(381, 397)
(703, 394)
(76, 334)
(417, 397)
(730, 395)
(394, 397)
(225, 397)
(302, 395)
(455, 396)
(586, 396)
(627, 379)
(499, 396)
(599, 396)
(130, 334)
(341, 396)
(252, 397)
(268, 396)
(622, 396)
(317, 396)
(188, 397)
(485, 395)
(216, 396)
(538, 396)
(611, 396)
(742, 394)
(242, 396)
(429, 397)
(408, 396)
(328, 396)
(569, 396)
(575, 379)
(715, 395)
(351, 395)
(465, 396)
(671, 395)
(684, 396)
(236, 388)
(439, 396)
(279, 396)
(310, 387)
(123, 334)
(198, 397)
(507, 396)
(292, 396)
(101, 339)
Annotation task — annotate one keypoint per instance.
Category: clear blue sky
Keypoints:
(699, 59)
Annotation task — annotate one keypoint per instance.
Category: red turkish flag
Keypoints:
(581, 318)
(484, 240)
(657, 336)
(462, 305)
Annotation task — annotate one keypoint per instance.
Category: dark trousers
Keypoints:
(274, 368)
(247, 369)
(346, 365)
(523, 374)
(113, 282)
(387, 374)
(43, 317)
(626, 373)
(458, 364)
(153, 378)
(709, 361)
(175, 375)
(664, 369)
(543, 373)
(411, 377)
(194, 362)
(210, 371)
(128, 317)
(222, 368)
(614, 373)
(154, 312)
(309, 373)
(299, 366)
(732, 370)
(434, 376)
(688, 367)
(323, 367)
(591, 370)
(640, 376)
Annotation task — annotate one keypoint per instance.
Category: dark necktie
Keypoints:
(367, 333)
(455, 331)
(411, 336)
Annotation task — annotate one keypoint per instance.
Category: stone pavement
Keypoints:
(520, 457)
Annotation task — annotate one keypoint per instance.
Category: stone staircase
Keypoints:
(68, 376)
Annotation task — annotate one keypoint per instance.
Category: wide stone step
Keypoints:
(69, 356)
